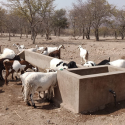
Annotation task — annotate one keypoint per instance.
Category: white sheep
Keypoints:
(83, 54)
(38, 81)
(7, 53)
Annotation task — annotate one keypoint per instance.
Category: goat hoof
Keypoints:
(28, 104)
(6, 83)
(34, 106)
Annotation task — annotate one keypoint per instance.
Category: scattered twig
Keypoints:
(17, 114)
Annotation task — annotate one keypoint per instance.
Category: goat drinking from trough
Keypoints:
(38, 81)
(23, 77)
(91, 63)
(118, 63)
(57, 64)
(16, 66)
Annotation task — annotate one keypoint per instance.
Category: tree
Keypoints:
(121, 20)
(99, 11)
(60, 20)
(33, 10)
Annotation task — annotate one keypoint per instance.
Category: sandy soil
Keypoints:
(13, 110)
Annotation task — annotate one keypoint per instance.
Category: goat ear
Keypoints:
(92, 64)
(64, 64)
(109, 59)
(57, 65)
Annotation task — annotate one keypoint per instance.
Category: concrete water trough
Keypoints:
(84, 89)
(87, 89)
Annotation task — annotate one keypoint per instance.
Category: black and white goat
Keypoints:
(91, 63)
(57, 64)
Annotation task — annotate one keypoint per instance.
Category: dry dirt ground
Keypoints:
(13, 110)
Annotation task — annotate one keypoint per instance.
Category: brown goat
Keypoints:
(16, 66)
(56, 53)
(17, 57)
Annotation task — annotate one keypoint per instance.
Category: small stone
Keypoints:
(48, 121)
(7, 108)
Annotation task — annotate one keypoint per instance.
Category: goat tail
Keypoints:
(87, 56)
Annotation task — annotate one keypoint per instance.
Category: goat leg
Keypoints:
(1, 77)
(33, 104)
(12, 76)
(39, 95)
(7, 74)
(27, 103)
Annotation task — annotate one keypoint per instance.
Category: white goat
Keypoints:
(30, 49)
(20, 46)
(7, 53)
(83, 54)
(23, 77)
(118, 63)
(39, 48)
(38, 81)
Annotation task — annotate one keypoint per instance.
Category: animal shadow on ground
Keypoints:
(110, 108)
(1, 91)
(47, 105)
(2, 83)
(19, 83)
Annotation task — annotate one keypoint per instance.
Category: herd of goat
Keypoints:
(41, 81)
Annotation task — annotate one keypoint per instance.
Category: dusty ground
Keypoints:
(13, 110)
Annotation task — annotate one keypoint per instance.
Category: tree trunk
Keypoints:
(47, 33)
(20, 33)
(115, 35)
(122, 33)
(122, 36)
(88, 33)
(9, 36)
(55, 31)
(42, 33)
(33, 34)
(59, 31)
(47, 36)
(97, 34)
(83, 33)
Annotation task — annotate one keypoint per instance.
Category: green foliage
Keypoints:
(59, 19)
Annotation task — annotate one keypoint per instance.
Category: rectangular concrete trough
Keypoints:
(87, 89)
(39, 60)
(83, 89)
